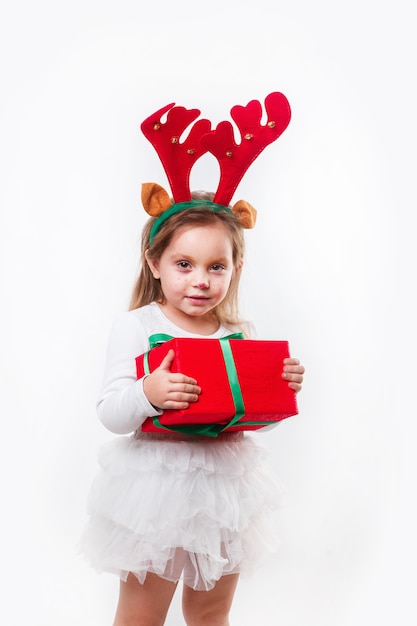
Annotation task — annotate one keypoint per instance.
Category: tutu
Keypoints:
(195, 509)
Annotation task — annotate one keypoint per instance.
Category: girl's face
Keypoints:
(195, 271)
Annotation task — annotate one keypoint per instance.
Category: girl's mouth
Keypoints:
(197, 299)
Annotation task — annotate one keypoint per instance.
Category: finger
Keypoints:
(179, 396)
(177, 406)
(182, 379)
(293, 376)
(178, 400)
(291, 361)
(191, 388)
(294, 369)
(167, 360)
(185, 388)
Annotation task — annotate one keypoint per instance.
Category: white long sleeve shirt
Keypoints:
(122, 406)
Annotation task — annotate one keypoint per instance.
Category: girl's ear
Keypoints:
(153, 265)
(239, 265)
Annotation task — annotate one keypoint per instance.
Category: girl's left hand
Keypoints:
(293, 373)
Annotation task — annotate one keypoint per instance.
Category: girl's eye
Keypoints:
(183, 265)
(217, 267)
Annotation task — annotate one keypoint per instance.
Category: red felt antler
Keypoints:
(234, 159)
(177, 158)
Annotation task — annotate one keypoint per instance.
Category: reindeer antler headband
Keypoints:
(234, 159)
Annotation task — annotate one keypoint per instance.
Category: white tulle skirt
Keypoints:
(190, 509)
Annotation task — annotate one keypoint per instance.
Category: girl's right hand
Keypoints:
(169, 390)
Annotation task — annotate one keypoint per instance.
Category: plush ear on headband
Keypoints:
(245, 213)
(155, 200)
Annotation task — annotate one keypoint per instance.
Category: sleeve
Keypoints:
(122, 406)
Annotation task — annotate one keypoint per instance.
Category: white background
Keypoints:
(330, 267)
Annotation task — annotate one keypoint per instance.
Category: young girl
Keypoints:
(171, 506)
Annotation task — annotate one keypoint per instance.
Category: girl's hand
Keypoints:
(168, 390)
(293, 373)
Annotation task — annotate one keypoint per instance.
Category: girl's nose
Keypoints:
(202, 284)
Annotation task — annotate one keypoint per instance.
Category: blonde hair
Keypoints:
(147, 289)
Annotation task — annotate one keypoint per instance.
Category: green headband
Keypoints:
(182, 206)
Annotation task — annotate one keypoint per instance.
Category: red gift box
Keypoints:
(240, 379)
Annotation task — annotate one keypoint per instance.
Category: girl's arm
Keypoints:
(122, 406)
